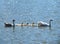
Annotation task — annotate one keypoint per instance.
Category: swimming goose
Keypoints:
(41, 23)
(9, 24)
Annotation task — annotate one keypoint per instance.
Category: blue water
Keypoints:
(30, 11)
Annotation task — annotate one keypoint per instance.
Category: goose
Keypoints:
(44, 24)
(9, 24)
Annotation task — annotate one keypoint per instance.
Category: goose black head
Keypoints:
(51, 20)
(13, 20)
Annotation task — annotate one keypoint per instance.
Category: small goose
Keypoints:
(43, 24)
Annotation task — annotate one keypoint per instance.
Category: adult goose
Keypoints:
(44, 24)
(9, 24)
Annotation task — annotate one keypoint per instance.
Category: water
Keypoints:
(30, 11)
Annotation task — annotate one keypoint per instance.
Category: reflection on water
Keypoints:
(58, 41)
(13, 28)
(34, 35)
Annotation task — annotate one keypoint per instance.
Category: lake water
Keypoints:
(28, 11)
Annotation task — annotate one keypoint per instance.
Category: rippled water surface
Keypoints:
(28, 11)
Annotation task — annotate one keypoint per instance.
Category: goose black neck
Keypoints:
(13, 23)
(50, 23)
